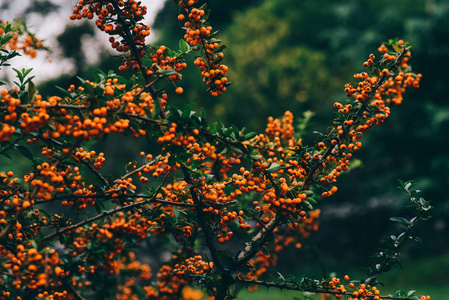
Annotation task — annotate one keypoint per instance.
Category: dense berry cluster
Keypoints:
(199, 33)
(111, 19)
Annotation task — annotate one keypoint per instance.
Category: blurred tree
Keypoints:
(43, 7)
(71, 44)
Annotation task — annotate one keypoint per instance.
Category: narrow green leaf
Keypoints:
(403, 221)
(31, 91)
(250, 135)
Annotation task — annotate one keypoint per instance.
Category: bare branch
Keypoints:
(111, 212)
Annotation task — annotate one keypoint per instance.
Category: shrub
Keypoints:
(70, 231)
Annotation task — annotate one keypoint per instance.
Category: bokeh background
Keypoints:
(297, 55)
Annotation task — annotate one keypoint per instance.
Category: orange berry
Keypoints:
(179, 90)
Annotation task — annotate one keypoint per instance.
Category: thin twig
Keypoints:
(135, 171)
(73, 290)
(147, 86)
(89, 165)
(162, 183)
(12, 144)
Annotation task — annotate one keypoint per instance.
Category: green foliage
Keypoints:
(6, 54)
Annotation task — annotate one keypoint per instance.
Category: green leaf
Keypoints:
(273, 168)
(408, 185)
(81, 79)
(61, 238)
(24, 151)
(416, 239)
(176, 211)
(31, 91)
(250, 135)
(311, 200)
(308, 192)
(213, 34)
(403, 221)
(213, 128)
(26, 72)
(281, 276)
(220, 48)
(183, 46)
(255, 156)
(97, 207)
(395, 48)
(187, 110)
(64, 91)
(171, 53)
(156, 110)
(19, 74)
(89, 89)
(265, 251)
(307, 204)
(155, 227)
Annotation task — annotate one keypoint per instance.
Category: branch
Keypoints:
(262, 236)
(56, 106)
(258, 240)
(136, 55)
(301, 288)
(156, 200)
(208, 234)
(111, 212)
(135, 171)
(136, 116)
(147, 86)
(391, 255)
(315, 167)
